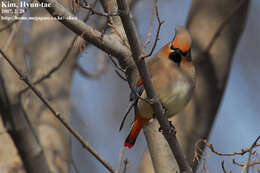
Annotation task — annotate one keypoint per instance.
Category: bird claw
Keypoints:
(168, 130)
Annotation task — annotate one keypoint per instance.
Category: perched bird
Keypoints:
(173, 77)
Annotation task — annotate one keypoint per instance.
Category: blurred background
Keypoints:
(98, 105)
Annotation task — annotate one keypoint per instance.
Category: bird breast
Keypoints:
(173, 97)
(173, 85)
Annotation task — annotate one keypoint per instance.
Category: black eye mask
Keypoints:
(175, 57)
(177, 54)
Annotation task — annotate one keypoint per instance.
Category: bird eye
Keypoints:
(175, 56)
(171, 48)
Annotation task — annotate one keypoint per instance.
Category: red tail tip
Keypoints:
(128, 145)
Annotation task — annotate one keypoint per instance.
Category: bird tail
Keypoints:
(139, 123)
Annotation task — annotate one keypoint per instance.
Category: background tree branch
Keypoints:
(19, 127)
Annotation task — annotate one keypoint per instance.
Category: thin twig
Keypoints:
(120, 75)
(11, 36)
(108, 43)
(84, 143)
(147, 100)
(129, 108)
(116, 65)
(8, 25)
(63, 59)
(237, 163)
(126, 164)
(148, 40)
(223, 167)
(248, 164)
(120, 163)
(98, 13)
(53, 69)
(74, 165)
(11, 23)
(204, 165)
(242, 152)
(157, 33)
(118, 68)
(198, 152)
(224, 23)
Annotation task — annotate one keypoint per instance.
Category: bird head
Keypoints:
(178, 52)
(179, 49)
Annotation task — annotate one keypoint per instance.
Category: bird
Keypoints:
(173, 77)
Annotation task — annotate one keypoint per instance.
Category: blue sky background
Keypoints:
(99, 105)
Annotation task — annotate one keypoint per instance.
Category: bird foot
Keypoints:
(168, 130)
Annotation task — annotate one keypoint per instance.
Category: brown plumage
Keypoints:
(173, 77)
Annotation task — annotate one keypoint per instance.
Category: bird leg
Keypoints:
(166, 129)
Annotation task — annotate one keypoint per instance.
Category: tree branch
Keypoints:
(242, 152)
(84, 143)
(114, 48)
(106, 42)
(224, 23)
(137, 51)
(22, 133)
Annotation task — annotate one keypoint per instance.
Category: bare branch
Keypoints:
(106, 43)
(242, 152)
(129, 108)
(148, 40)
(84, 143)
(74, 165)
(88, 7)
(223, 167)
(121, 160)
(16, 123)
(53, 69)
(138, 51)
(116, 65)
(10, 23)
(247, 164)
(63, 59)
(157, 33)
(126, 165)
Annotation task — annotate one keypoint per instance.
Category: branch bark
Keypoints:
(16, 122)
(57, 114)
(137, 52)
(212, 69)
(106, 43)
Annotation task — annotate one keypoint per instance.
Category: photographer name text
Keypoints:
(25, 5)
